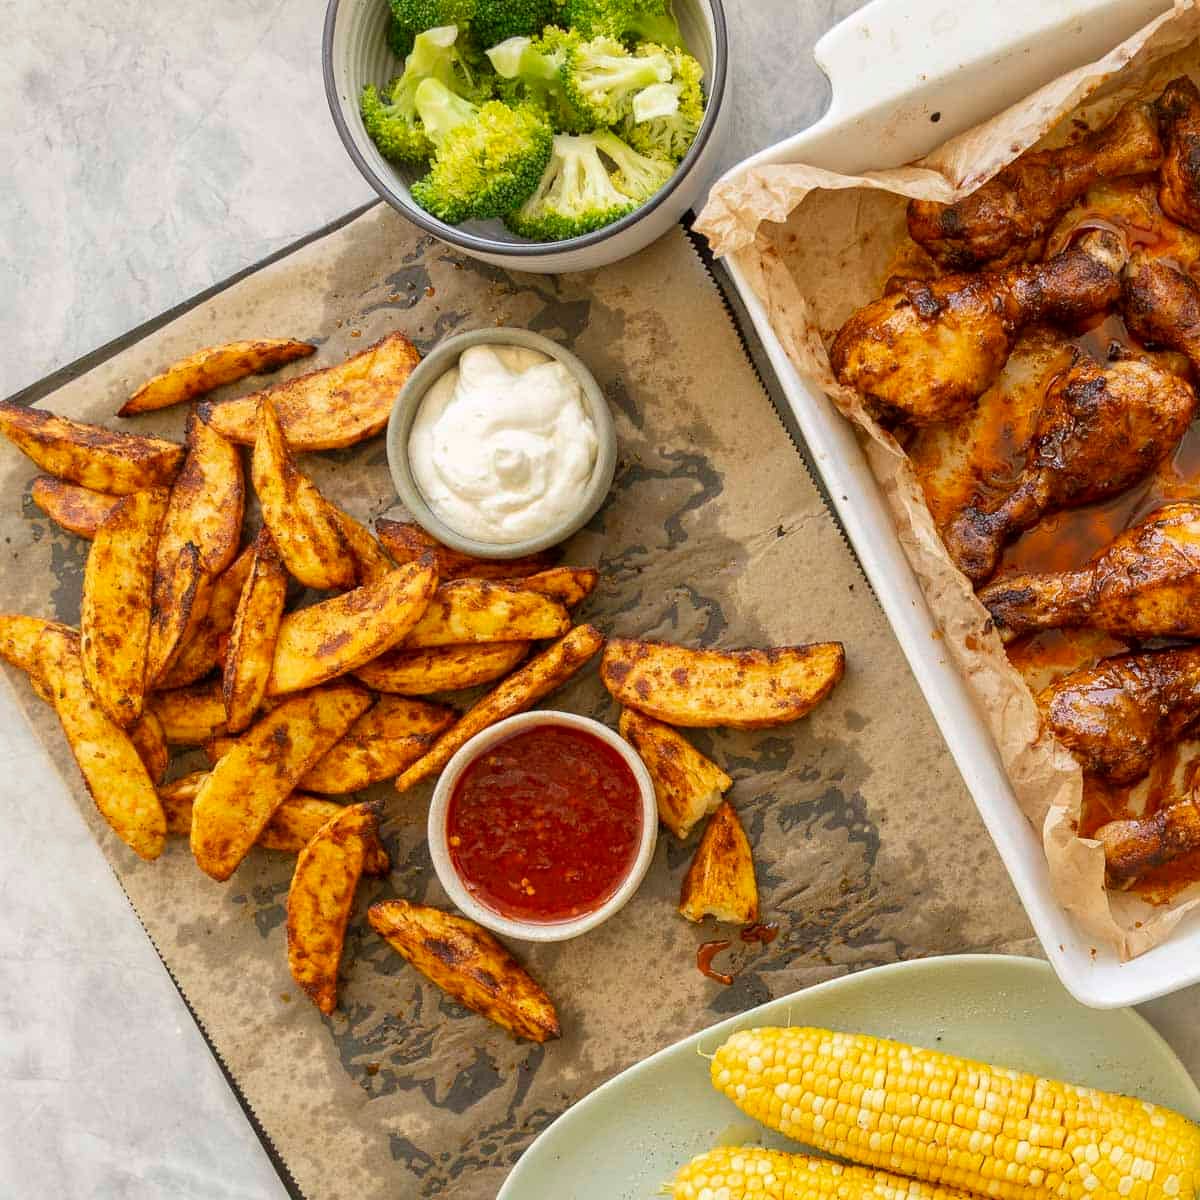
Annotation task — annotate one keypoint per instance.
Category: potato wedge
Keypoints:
(114, 614)
(441, 669)
(151, 744)
(687, 785)
(199, 539)
(406, 542)
(19, 645)
(189, 716)
(332, 638)
(252, 639)
(108, 760)
(210, 368)
(305, 526)
(78, 510)
(720, 881)
(89, 455)
(469, 965)
(245, 788)
(294, 825)
(333, 407)
(370, 559)
(521, 690)
(699, 689)
(570, 586)
(477, 610)
(320, 899)
(394, 732)
(202, 650)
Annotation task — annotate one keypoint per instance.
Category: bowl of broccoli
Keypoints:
(540, 135)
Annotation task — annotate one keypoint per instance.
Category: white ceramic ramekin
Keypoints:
(439, 849)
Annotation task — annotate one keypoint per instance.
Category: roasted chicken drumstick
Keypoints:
(1008, 219)
(1179, 179)
(1161, 306)
(1145, 583)
(1131, 848)
(1117, 716)
(929, 349)
(1103, 428)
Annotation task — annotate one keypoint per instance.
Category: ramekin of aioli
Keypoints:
(501, 443)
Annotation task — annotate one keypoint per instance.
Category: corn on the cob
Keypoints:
(752, 1173)
(962, 1124)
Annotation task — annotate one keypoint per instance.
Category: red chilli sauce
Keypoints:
(545, 825)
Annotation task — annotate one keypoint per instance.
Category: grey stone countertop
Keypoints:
(157, 151)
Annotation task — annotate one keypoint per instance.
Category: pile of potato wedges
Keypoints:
(191, 636)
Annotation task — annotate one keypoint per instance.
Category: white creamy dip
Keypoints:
(502, 446)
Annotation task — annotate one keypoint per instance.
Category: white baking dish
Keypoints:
(892, 65)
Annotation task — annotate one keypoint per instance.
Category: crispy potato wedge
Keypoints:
(699, 689)
(294, 825)
(202, 650)
(305, 526)
(89, 455)
(332, 638)
(210, 368)
(252, 638)
(521, 690)
(199, 539)
(151, 744)
(687, 785)
(468, 964)
(406, 541)
(394, 732)
(190, 716)
(720, 881)
(320, 899)
(570, 586)
(78, 510)
(245, 788)
(19, 645)
(441, 669)
(108, 760)
(370, 559)
(114, 614)
(332, 407)
(477, 610)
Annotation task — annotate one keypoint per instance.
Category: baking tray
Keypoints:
(906, 77)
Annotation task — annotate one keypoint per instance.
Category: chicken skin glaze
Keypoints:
(1103, 428)
(1133, 847)
(1008, 219)
(1116, 717)
(1161, 306)
(929, 349)
(1179, 179)
(1145, 583)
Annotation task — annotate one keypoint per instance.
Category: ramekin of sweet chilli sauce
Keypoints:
(543, 826)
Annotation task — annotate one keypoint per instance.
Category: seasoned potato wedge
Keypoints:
(78, 510)
(189, 716)
(332, 407)
(114, 614)
(108, 760)
(570, 586)
(202, 650)
(743, 689)
(720, 881)
(250, 782)
(199, 539)
(319, 901)
(405, 542)
(477, 610)
(468, 964)
(331, 638)
(687, 785)
(89, 455)
(211, 368)
(252, 638)
(151, 744)
(370, 559)
(305, 526)
(441, 669)
(521, 690)
(19, 645)
(394, 732)
(294, 825)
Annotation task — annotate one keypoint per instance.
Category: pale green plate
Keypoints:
(628, 1137)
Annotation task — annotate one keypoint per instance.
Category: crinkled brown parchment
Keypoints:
(814, 246)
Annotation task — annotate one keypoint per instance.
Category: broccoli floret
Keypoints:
(496, 21)
(392, 119)
(666, 117)
(400, 39)
(529, 71)
(487, 160)
(601, 78)
(629, 20)
(638, 176)
(410, 17)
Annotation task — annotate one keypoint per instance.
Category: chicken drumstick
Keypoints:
(1179, 178)
(1161, 306)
